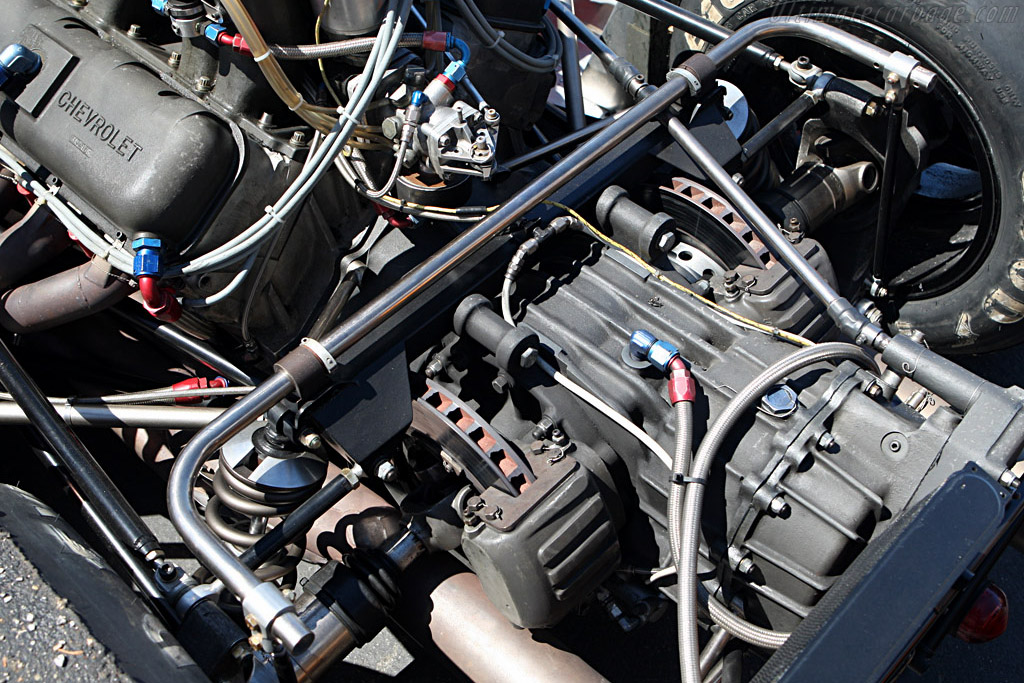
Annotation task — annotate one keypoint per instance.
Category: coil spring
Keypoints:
(252, 507)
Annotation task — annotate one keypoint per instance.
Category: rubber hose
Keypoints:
(690, 520)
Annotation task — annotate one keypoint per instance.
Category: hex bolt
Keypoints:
(298, 139)
(135, 32)
(434, 368)
(529, 358)
(491, 116)
(311, 440)
(387, 472)
(871, 109)
(266, 120)
(779, 401)
(779, 507)
(204, 84)
(543, 428)
(559, 437)
(174, 61)
(874, 390)
(167, 571)
(500, 383)
(745, 566)
(1009, 479)
(826, 441)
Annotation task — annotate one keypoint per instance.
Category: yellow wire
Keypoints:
(316, 38)
(767, 329)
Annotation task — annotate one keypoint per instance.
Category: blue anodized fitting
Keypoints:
(18, 59)
(147, 256)
(644, 346)
(455, 71)
(213, 31)
(159, 6)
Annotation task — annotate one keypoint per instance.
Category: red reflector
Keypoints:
(987, 618)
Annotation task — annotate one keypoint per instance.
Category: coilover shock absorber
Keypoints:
(261, 477)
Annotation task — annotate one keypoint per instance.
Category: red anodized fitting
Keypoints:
(159, 301)
(394, 219)
(681, 386)
(197, 384)
(435, 41)
(236, 43)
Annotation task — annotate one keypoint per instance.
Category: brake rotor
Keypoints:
(469, 444)
(711, 224)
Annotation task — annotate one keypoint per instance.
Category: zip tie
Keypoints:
(499, 36)
(683, 480)
(343, 114)
(274, 216)
(262, 57)
(299, 104)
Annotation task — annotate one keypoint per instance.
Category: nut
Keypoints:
(826, 441)
(387, 472)
(779, 507)
(311, 440)
(434, 368)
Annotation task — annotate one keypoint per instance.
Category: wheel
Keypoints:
(955, 257)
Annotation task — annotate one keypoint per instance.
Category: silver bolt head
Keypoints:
(778, 506)
(311, 440)
(529, 358)
(780, 401)
(745, 566)
(826, 441)
(387, 472)
(666, 241)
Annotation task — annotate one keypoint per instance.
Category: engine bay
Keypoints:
(377, 286)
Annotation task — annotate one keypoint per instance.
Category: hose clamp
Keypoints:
(321, 352)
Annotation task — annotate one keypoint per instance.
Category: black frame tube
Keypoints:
(297, 522)
(110, 506)
(572, 82)
(887, 192)
(774, 128)
(696, 25)
(555, 145)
